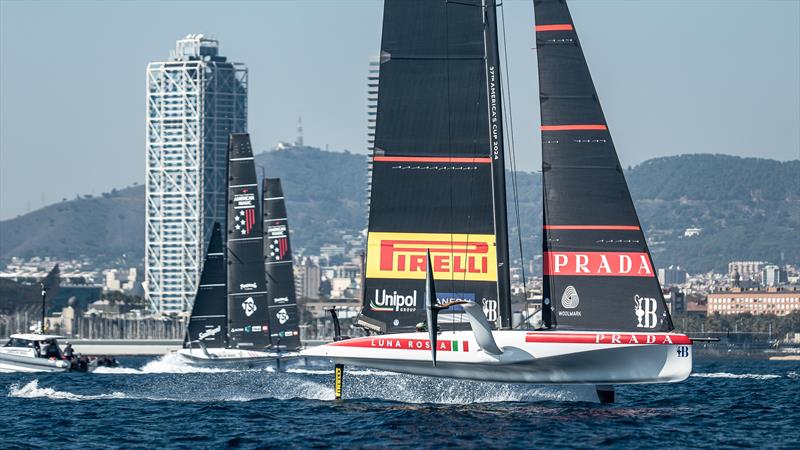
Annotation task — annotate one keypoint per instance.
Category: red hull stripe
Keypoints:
(592, 227)
(431, 159)
(608, 338)
(606, 264)
(390, 343)
(559, 27)
(573, 127)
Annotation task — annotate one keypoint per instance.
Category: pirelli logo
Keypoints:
(470, 257)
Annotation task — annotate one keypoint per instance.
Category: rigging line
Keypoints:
(512, 147)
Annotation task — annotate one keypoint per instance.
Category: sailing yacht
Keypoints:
(438, 213)
(234, 321)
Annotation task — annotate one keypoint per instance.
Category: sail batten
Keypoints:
(598, 272)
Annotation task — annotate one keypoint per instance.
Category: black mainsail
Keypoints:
(598, 273)
(283, 318)
(435, 182)
(247, 290)
(207, 323)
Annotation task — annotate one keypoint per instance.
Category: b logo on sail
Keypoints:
(645, 309)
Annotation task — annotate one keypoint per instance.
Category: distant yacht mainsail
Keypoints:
(437, 167)
(283, 318)
(247, 289)
(208, 322)
(598, 273)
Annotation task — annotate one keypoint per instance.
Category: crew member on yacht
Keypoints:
(69, 353)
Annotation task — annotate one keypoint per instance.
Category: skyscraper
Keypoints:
(194, 101)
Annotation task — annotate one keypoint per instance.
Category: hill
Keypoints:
(748, 208)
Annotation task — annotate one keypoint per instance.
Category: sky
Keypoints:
(674, 76)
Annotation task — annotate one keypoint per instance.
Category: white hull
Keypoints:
(233, 358)
(528, 357)
(25, 363)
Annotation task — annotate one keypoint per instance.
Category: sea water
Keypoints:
(152, 403)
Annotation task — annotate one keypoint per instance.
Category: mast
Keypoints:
(497, 149)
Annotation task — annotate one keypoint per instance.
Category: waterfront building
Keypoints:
(194, 101)
(310, 280)
(771, 301)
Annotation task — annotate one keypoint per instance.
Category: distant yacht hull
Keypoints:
(26, 363)
(528, 357)
(234, 358)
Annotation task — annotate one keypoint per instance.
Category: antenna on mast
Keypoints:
(299, 141)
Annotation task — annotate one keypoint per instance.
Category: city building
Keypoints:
(194, 101)
(773, 275)
(672, 275)
(747, 270)
(309, 280)
(675, 299)
(126, 281)
(771, 301)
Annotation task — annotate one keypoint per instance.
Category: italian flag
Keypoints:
(453, 346)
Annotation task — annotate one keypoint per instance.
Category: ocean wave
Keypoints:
(32, 390)
(751, 376)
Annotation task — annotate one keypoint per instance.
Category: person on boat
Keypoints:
(69, 352)
(51, 350)
(35, 347)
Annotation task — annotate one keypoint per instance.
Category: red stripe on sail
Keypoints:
(558, 27)
(573, 127)
(608, 338)
(602, 264)
(431, 159)
(592, 227)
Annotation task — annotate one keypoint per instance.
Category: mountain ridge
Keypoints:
(736, 201)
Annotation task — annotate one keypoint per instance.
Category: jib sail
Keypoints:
(209, 313)
(598, 273)
(432, 167)
(283, 318)
(247, 290)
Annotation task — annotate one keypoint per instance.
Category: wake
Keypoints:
(32, 390)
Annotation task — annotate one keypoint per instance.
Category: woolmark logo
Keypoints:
(387, 302)
(248, 286)
(645, 309)
(465, 257)
(249, 306)
(570, 299)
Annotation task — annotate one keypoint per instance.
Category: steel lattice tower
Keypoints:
(194, 101)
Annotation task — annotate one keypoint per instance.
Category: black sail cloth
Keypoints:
(247, 289)
(431, 185)
(207, 323)
(283, 318)
(598, 273)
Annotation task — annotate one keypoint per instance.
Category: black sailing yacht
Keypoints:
(232, 321)
(437, 211)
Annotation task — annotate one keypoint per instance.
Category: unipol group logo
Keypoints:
(392, 301)
(645, 309)
(470, 257)
(249, 306)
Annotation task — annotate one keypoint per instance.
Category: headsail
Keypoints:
(431, 186)
(283, 319)
(598, 273)
(208, 322)
(247, 290)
